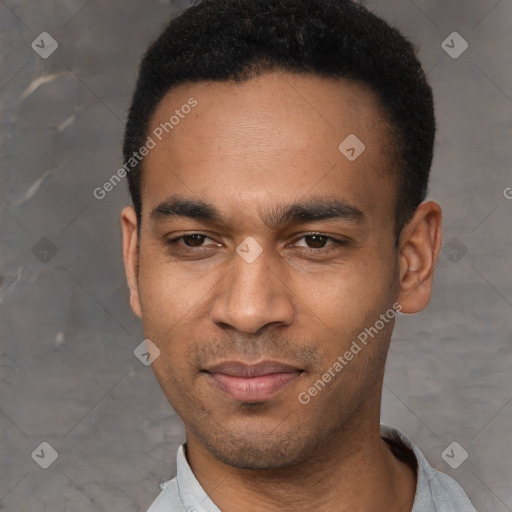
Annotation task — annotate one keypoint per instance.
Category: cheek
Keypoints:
(163, 300)
(348, 300)
(167, 302)
(347, 289)
(165, 292)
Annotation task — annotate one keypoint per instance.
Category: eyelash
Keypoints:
(173, 242)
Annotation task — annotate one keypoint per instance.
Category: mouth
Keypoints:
(252, 382)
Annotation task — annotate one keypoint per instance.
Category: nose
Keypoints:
(253, 296)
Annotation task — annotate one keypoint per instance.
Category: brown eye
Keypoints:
(316, 241)
(194, 240)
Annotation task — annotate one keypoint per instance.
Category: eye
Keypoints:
(319, 241)
(192, 240)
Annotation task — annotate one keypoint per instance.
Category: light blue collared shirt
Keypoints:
(435, 491)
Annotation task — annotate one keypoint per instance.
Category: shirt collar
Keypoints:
(195, 499)
(192, 495)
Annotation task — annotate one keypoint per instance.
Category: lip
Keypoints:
(252, 382)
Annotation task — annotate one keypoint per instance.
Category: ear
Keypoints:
(131, 256)
(420, 243)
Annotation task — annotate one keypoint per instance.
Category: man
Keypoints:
(278, 158)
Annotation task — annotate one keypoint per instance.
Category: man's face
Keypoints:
(251, 150)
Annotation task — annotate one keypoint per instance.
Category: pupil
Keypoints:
(197, 238)
(320, 240)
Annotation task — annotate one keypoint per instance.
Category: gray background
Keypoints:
(68, 374)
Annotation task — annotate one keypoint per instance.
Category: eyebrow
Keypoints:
(313, 210)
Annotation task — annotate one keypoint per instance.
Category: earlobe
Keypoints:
(130, 256)
(420, 243)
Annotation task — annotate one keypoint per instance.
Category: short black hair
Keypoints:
(236, 40)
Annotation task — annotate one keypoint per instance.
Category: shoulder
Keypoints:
(435, 491)
(442, 492)
(169, 499)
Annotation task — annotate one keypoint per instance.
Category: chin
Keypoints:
(260, 450)
(249, 457)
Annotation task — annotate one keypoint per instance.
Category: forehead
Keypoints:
(277, 135)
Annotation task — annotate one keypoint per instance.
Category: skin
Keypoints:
(246, 149)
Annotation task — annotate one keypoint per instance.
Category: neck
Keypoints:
(354, 471)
